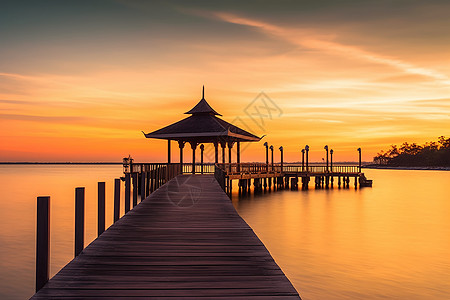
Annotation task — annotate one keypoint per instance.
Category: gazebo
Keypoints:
(204, 126)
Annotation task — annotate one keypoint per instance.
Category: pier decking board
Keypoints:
(168, 249)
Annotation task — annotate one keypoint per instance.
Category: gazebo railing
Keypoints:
(205, 168)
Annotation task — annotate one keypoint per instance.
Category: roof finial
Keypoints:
(203, 92)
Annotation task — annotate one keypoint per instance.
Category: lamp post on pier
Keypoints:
(303, 159)
(331, 160)
(326, 148)
(359, 150)
(281, 153)
(307, 150)
(271, 150)
(267, 156)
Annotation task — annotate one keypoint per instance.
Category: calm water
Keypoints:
(391, 241)
(19, 186)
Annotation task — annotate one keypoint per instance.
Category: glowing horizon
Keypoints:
(79, 83)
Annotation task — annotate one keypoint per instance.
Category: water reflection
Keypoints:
(20, 185)
(389, 241)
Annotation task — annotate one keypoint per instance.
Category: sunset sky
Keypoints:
(79, 80)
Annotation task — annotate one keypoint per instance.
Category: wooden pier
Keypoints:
(184, 241)
(264, 175)
(282, 176)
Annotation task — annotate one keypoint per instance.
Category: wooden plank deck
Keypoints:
(185, 241)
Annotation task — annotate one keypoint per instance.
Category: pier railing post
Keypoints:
(79, 220)
(148, 182)
(42, 241)
(359, 165)
(127, 191)
(101, 208)
(116, 199)
(135, 188)
(143, 177)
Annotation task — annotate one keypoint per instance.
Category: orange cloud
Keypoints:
(309, 40)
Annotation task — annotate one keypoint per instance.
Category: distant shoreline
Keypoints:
(60, 163)
(407, 168)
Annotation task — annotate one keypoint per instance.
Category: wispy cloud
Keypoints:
(5, 101)
(37, 118)
(310, 40)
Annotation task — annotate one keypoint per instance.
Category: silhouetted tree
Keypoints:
(430, 154)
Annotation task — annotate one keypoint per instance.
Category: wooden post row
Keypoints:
(116, 199)
(79, 220)
(101, 208)
(127, 192)
(42, 241)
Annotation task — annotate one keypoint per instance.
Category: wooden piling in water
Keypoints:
(79, 220)
(101, 208)
(42, 241)
(294, 183)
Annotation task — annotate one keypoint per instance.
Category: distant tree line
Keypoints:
(431, 154)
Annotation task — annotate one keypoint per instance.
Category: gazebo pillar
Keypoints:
(230, 146)
(202, 148)
(223, 145)
(238, 156)
(193, 147)
(216, 152)
(168, 151)
(181, 145)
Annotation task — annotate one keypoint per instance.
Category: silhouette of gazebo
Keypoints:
(203, 126)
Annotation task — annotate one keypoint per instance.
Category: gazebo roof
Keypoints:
(202, 108)
(203, 127)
